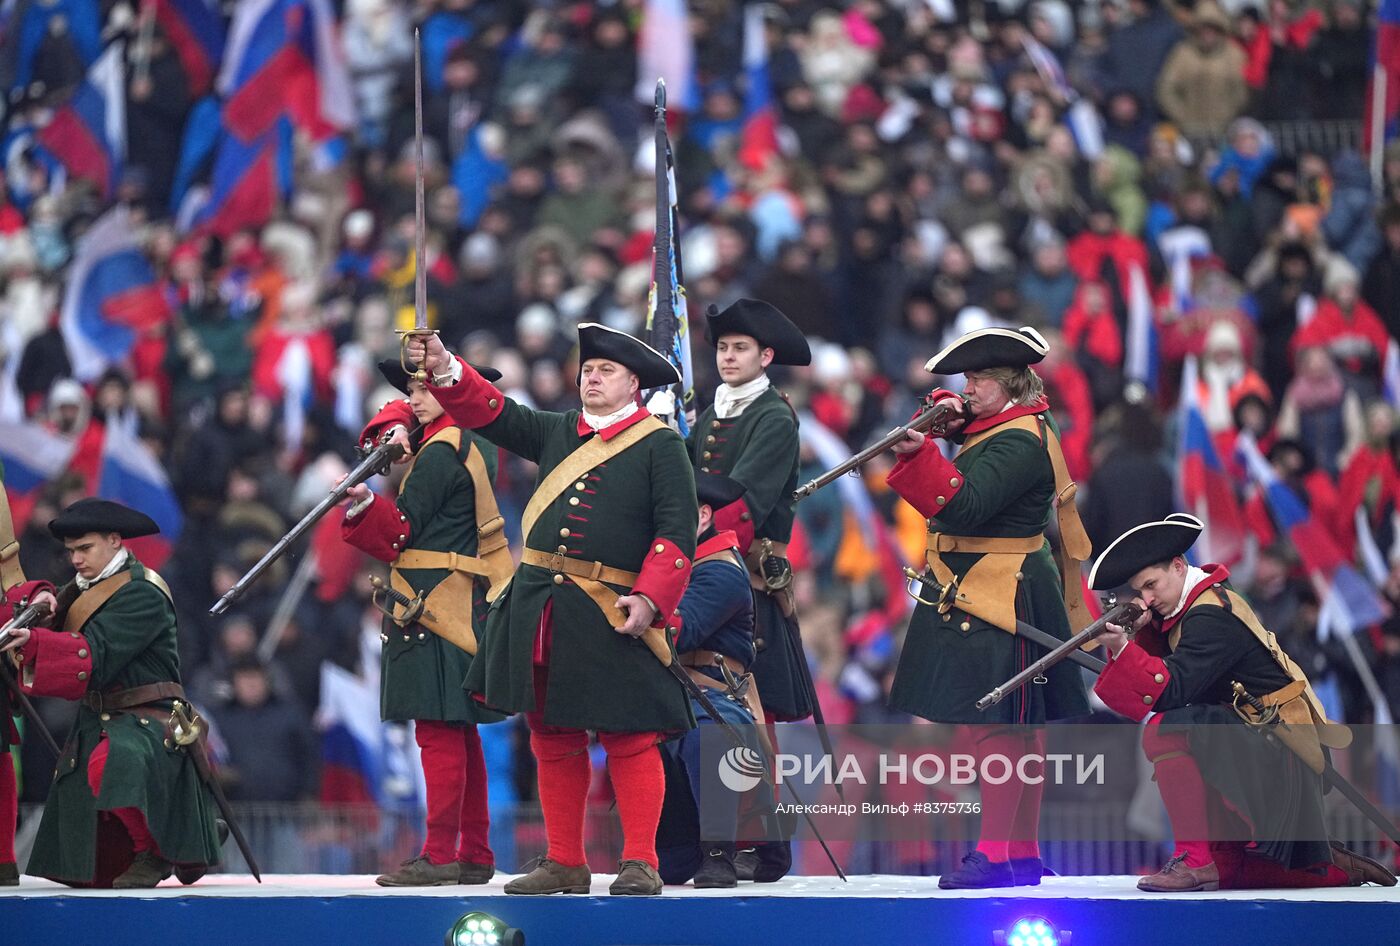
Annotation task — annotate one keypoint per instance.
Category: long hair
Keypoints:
(1022, 385)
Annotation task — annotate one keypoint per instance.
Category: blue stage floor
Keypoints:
(893, 911)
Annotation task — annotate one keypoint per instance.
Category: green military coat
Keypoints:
(760, 448)
(635, 512)
(421, 673)
(951, 660)
(128, 642)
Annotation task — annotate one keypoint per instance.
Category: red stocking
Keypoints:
(9, 807)
(1025, 827)
(639, 784)
(444, 762)
(1184, 792)
(1001, 800)
(475, 815)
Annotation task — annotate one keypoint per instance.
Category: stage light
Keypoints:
(1031, 931)
(483, 929)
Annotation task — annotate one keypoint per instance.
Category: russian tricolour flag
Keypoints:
(112, 296)
(758, 140)
(1383, 91)
(1203, 485)
(88, 133)
(1353, 601)
(32, 455)
(665, 50)
(130, 474)
(196, 31)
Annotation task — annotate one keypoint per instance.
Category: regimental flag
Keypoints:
(668, 324)
(88, 132)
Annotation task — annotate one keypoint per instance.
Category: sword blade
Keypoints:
(201, 765)
(420, 271)
(29, 711)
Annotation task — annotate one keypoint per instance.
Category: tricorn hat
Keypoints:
(717, 490)
(764, 322)
(649, 365)
(103, 516)
(393, 372)
(990, 348)
(1141, 546)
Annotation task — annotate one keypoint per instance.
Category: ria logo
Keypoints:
(741, 769)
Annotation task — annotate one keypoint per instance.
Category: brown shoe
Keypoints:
(421, 872)
(9, 874)
(1176, 877)
(1361, 869)
(552, 877)
(636, 879)
(469, 873)
(147, 869)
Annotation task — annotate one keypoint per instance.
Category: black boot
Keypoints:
(716, 867)
(774, 861)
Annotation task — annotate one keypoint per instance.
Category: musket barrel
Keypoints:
(375, 462)
(1125, 612)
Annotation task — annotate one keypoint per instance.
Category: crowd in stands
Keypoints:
(936, 167)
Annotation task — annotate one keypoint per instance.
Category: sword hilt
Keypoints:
(412, 607)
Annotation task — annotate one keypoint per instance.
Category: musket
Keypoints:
(375, 463)
(1122, 613)
(931, 417)
(420, 228)
(27, 618)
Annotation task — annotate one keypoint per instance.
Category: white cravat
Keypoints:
(1194, 576)
(115, 565)
(731, 399)
(601, 421)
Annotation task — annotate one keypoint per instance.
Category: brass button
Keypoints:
(403, 538)
(406, 638)
(710, 439)
(947, 617)
(82, 651)
(953, 482)
(1020, 576)
(715, 424)
(106, 717)
(393, 545)
(573, 500)
(564, 533)
(1147, 699)
(383, 638)
(167, 743)
(660, 548)
(493, 403)
(74, 634)
(745, 517)
(758, 642)
(82, 674)
(579, 487)
(706, 455)
(940, 500)
(704, 469)
(422, 637)
(145, 721)
(563, 549)
(680, 563)
(558, 579)
(1158, 678)
(966, 625)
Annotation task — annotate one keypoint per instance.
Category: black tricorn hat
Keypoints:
(991, 348)
(717, 490)
(102, 516)
(1141, 546)
(764, 322)
(649, 365)
(393, 372)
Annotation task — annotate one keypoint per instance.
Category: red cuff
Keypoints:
(379, 530)
(1132, 682)
(736, 518)
(17, 597)
(56, 663)
(663, 578)
(394, 414)
(472, 402)
(926, 479)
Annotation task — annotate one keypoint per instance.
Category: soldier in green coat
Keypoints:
(127, 807)
(576, 642)
(749, 434)
(444, 538)
(988, 509)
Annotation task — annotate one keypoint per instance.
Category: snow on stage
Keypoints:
(348, 910)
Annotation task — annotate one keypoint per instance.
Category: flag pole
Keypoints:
(1379, 80)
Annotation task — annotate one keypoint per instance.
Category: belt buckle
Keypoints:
(556, 562)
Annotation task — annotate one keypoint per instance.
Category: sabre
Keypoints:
(420, 272)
